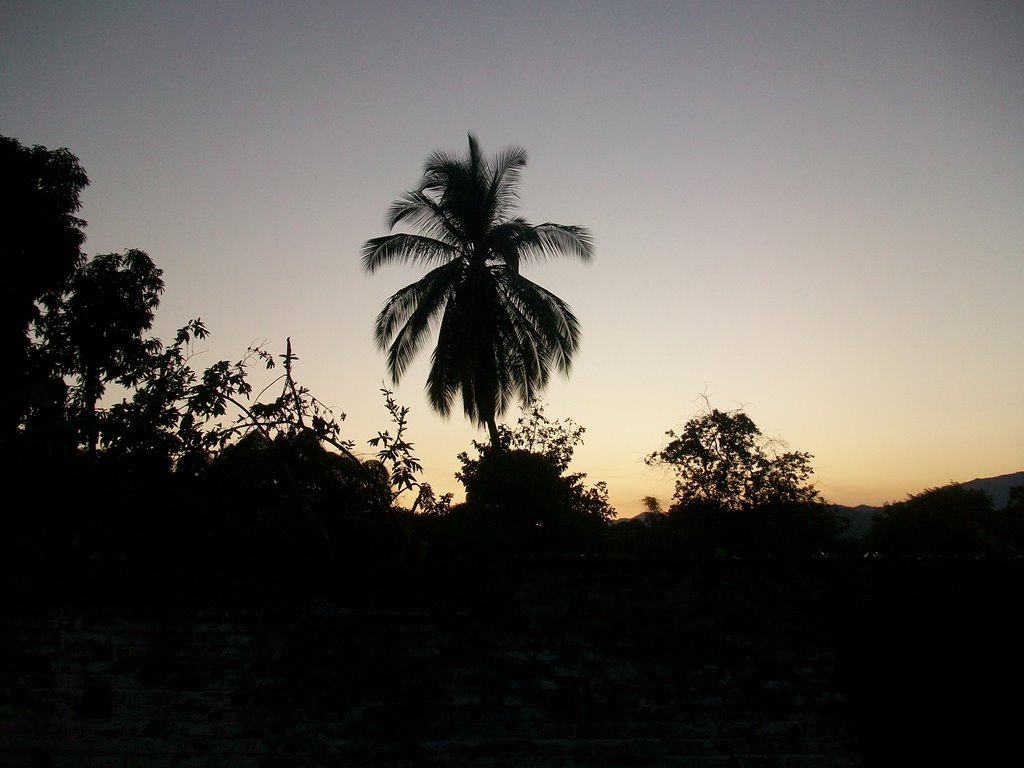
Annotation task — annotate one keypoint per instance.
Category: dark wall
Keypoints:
(546, 663)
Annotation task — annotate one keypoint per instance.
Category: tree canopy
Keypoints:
(953, 520)
(738, 492)
(97, 333)
(499, 335)
(721, 457)
(520, 497)
(40, 242)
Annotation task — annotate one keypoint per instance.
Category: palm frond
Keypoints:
(414, 249)
(440, 160)
(527, 358)
(505, 241)
(404, 322)
(551, 240)
(504, 191)
(403, 303)
(424, 213)
(546, 316)
(476, 162)
(446, 376)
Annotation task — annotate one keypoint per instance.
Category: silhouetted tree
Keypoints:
(170, 418)
(721, 458)
(738, 492)
(498, 334)
(326, 501)
(556, 442)
(97, 333)
(652, 505)
(40, 241)
(946, 521)
(1013, 518)
(519, 498)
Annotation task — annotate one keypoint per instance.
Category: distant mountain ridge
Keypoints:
(998, 488)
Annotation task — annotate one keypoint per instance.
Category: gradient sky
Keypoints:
(812, 210)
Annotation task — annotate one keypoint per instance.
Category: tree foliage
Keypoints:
(721, 458)
(499, 335)
(124, 450)
(738, 492)
(97, 333)
(553, 441)
(949, 521)
(271, 472)
(40, 247)
(41, 236)
(520, 498)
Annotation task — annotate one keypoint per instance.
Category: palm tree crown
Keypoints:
(498, 334)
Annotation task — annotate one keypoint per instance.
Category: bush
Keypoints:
(519, 498)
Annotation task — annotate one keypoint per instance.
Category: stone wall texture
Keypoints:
(546, 663)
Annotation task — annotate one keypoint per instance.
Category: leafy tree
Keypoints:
(183, 444)
(652, 505)
(554, 441)
(97, 333)
(947, 521)
(273, 460)
(721, 458)
(536, 433)
(199, 415)
(519, 498)
(498, 334)
(171, 421)
(217, 469)
(1013, 518)
(40, 242)
(738, 492)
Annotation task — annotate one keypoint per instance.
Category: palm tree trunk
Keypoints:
(492, 428)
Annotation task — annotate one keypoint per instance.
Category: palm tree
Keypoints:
(498, 334)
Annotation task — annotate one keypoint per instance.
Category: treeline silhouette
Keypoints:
(186, 473)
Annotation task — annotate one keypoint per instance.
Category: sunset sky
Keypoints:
(814, 211)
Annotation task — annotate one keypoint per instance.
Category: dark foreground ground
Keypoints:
(572, 662)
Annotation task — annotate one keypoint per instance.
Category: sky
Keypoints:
(813, 211)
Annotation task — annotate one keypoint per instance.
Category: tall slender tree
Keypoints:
(498, 334)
